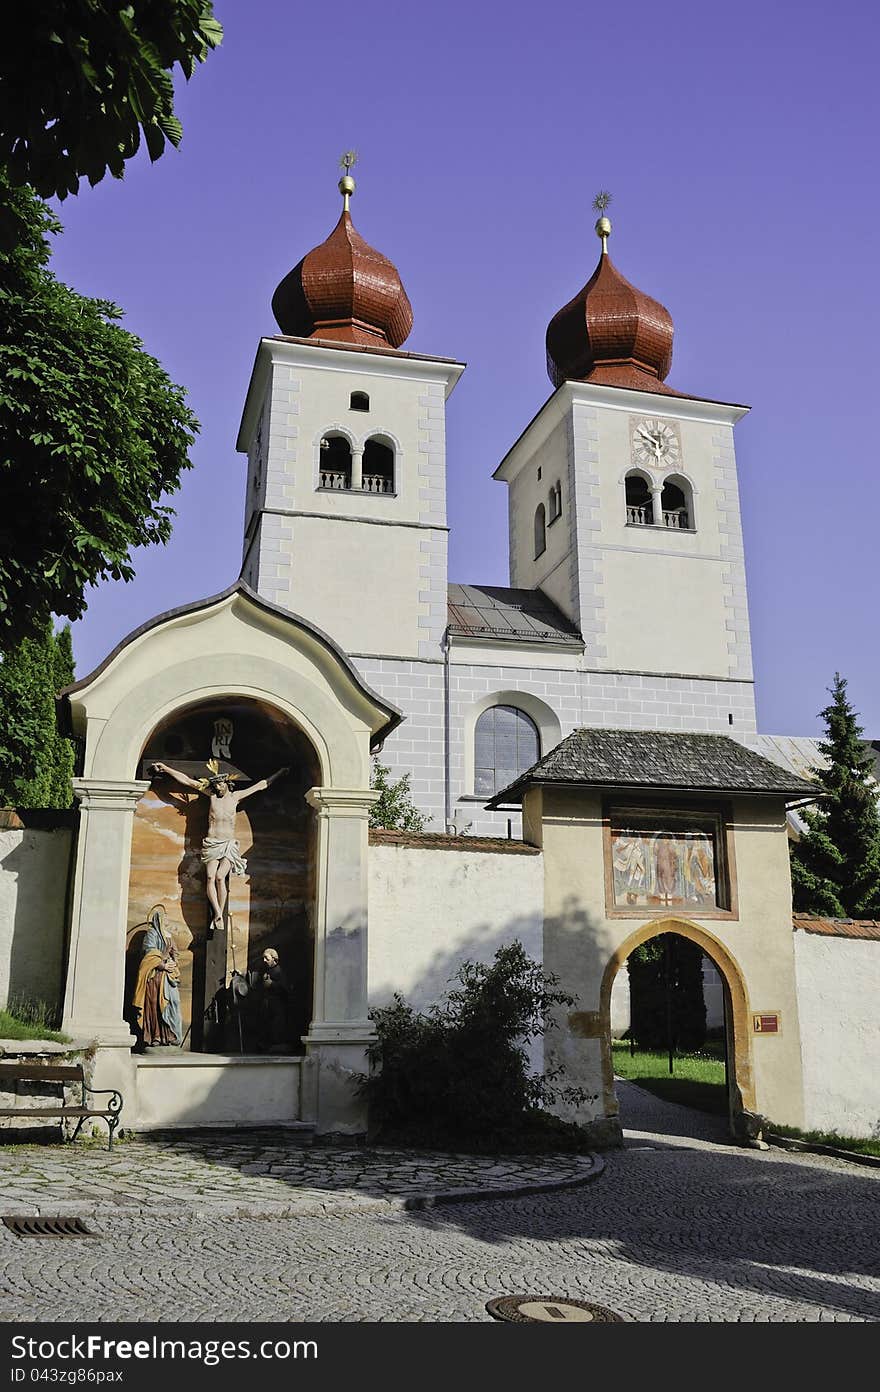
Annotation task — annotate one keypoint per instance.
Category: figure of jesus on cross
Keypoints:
(221, 853)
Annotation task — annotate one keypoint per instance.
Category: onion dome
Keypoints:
(611, 333)
(344, 290)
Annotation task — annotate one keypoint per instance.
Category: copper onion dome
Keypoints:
(611, 333)
(344, 290)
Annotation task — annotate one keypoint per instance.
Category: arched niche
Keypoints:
(737, 1009)
(272, 906)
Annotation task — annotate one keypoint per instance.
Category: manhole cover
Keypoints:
(48, 1227)
(549, 1309)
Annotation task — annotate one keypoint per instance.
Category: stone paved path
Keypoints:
(679, 1227)
(259, 1175)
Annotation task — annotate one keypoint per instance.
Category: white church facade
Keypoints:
(582, 742)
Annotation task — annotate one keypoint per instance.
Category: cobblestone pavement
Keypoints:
(257, 1175)
(679, 1227)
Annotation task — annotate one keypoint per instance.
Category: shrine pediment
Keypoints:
(236, 644)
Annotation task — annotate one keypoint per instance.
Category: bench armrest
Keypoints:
(115, 1103)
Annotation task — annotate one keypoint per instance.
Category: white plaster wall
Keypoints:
(33, 893)
(432, 909)
(376, 581)
(838, 982)
(210, 1090)
(550, 571)
(360, 584)
(665, 612)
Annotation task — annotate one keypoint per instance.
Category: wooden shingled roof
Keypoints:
(658, 759)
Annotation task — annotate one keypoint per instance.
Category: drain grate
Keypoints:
(48, 1227)
(550, 1309)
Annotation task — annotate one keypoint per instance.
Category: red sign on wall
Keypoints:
(766, 1024)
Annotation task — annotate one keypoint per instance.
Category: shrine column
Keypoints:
(340, 1031)
(93, 998)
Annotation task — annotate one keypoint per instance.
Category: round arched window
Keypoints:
(506, 743)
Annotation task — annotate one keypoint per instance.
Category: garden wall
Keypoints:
(436, 901)
(838, 983)
(35, 851)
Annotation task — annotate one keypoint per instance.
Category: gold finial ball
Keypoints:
(603, 227)
(346, 184)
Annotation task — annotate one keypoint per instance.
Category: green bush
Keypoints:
(458, 1073)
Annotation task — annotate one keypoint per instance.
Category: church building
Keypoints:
(581, 742)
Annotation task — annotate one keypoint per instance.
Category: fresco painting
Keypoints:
(655, 867)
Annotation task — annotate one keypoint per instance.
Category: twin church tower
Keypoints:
(627, 601)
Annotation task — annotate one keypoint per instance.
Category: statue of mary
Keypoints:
(156, 999)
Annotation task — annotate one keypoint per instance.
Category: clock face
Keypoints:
(656, 443)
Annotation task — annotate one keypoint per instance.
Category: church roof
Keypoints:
(611, 333)
(344, 290)
(496, 611)
(642, 759)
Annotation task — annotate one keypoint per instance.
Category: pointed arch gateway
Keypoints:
(740, 1073)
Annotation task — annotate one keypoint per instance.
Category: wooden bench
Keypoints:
(69, 1073)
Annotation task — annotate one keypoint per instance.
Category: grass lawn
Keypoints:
(697, 1080)
(28, 1024)
(829, 1138)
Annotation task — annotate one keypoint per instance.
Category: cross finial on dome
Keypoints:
(346, 183)
(603, 223)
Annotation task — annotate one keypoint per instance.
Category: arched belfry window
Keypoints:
(677, 504)
(540, 530)
(506, 743)
(359, 402)
(335, 462)
(639, 501)
(555, 501)
(378, 466)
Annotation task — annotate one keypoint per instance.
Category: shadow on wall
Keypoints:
(36, 857)
(571, 934)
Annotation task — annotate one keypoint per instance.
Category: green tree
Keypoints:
(92, 434)
(36, 762)
(82, 80)
(395, 810)
(668, 968)
(835, 866)
(60, 792)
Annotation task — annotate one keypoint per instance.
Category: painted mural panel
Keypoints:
(658, 862)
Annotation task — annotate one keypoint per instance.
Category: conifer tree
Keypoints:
(835, 866)
(36, 762)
